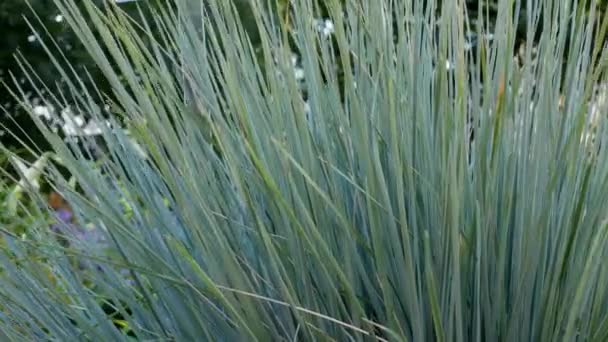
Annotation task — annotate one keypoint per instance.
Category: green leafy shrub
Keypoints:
(375, 215)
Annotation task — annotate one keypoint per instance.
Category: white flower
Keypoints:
(43, 111)
(329, 27)
(71, 123)
(79, 120)
(30, 174)
(299, 73)
(58, 18)
(92, 128)
(448, 66)
(325, 27)
(31, 38)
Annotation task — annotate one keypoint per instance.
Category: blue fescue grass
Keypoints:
(372, 216)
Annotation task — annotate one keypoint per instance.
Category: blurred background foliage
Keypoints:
(19, 19)
(29, 27)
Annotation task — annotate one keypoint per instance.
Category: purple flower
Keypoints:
(75, 235)
(64, 215)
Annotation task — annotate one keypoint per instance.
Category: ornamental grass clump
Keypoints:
(420, 191)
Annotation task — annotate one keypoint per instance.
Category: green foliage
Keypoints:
(374, 217)
(31, 29)
(16, 207)
(17, 37)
